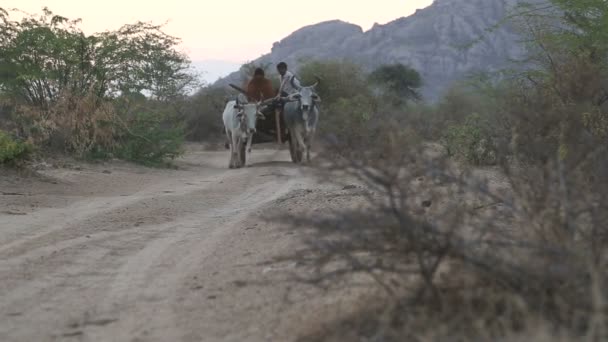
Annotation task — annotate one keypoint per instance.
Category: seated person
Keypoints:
(259, 88)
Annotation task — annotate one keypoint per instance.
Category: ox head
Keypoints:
(247, 115)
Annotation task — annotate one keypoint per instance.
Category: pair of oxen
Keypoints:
(300, 113)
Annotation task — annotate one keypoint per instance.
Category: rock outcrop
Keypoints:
(444, 42)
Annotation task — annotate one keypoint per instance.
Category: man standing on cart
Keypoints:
(288, 84)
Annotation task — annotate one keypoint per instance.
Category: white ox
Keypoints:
(239, 121)
(301, 114)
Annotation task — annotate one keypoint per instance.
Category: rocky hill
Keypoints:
(436, 41)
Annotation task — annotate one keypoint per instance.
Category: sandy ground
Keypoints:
(118, 252)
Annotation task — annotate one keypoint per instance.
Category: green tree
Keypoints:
(203, 112)
(565, 87)
(587, 22)
(43, 57)
(114, 93)
(399, 82)
(339, 80)
(348, 105)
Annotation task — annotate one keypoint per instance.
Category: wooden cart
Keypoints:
(272, 130)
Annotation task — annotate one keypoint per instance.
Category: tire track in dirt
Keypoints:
(112, 268)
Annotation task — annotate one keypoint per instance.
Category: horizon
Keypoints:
(207, 35)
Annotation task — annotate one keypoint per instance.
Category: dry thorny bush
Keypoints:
(469, 254)
(73, 123)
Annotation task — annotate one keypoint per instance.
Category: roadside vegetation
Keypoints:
(130, 94)
(64, 91)
(486, 212)
(457, 256)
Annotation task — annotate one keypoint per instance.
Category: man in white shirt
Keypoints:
(285, 77)
(289, 84)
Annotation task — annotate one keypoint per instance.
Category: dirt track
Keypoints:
(126, 253)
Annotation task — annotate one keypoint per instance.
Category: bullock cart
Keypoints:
(292, 119)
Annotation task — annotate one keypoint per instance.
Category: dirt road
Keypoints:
(124, 253)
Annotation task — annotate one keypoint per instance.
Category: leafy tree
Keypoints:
(348, 104)
(339, 80)
(142, 58)
(114, 93)
(43, 57)
(587, 23)
(399, 82)
(565, 86)
(202, 113)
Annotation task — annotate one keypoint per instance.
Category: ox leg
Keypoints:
(237, 153)
(308, 142)
(311, 137)
(228, 138)
(234, 150)
(301, 145)
(249, 142)
(230, 144)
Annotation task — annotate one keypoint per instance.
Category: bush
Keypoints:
(399, 83)
(89, 127)
(347, 118)
(84, 95)
(471, 141)
(203, 114)
(12, 150)
(462, 257)
(596, 122)
(150, 139)
(340, 80)
(81, 124)
(348, 106)
(492, 255)
(483, 260)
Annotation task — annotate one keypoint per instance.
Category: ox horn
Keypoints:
(317, 82)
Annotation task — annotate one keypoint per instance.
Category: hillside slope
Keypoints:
(436, 41)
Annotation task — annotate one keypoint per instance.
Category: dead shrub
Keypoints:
(90, 127)
(73, 124)
(530, 248)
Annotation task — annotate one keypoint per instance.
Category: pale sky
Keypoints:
(228, 30)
